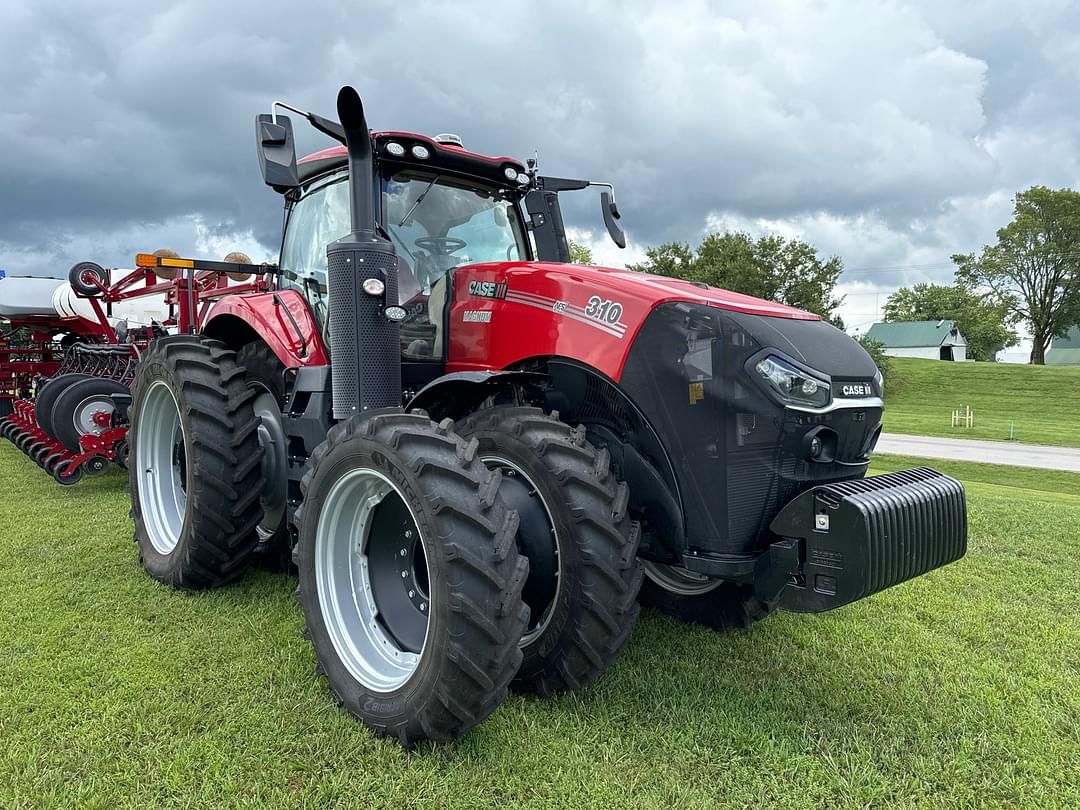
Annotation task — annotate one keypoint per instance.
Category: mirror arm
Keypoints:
(324, 125)
(608, 186)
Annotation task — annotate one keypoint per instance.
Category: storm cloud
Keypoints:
(890, 133)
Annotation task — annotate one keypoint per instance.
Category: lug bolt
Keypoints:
(403, 552)
(412, 594)
(423, 605)
(404, 574)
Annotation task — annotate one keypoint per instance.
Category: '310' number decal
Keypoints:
(604, 310)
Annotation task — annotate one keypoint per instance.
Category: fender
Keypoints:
(453, 394)
(282, 319)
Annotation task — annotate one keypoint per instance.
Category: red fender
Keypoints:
(296, 341)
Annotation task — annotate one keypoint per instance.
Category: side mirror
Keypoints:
(277, 152)
(611, 218)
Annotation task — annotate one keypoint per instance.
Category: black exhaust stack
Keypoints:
(365, 349)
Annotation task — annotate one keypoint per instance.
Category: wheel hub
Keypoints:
(93, 415)
(372, 581)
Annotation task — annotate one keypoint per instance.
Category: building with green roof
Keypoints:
(933, 340)
(1065, 351)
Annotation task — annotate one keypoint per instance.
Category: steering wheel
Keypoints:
(440, 245)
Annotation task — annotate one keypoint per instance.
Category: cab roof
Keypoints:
(446, 156)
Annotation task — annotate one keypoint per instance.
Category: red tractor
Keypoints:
(479, 454)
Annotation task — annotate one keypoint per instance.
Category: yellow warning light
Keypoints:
(167, 262)
(145, 260)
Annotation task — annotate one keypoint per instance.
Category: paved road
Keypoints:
(1010, 453)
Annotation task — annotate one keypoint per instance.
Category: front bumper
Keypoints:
(843, 541)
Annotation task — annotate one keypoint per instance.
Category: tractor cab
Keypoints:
(444, 209)
(439, 205)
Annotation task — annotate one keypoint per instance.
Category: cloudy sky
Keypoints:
(890, 133)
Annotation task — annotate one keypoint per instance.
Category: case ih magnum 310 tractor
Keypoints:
(479, 454)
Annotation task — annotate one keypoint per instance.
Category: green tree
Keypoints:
(579, 254)
(770, 267)
(1034, 268)
(984, 322)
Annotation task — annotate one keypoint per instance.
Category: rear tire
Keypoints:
(430, 651)
(194, 463)
(696, 599)
(582, 588)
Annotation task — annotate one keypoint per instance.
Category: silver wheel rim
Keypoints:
(158, 456)
(83, 415)
(275, 476)
(508, 467)
(678, 580)
(344, 582)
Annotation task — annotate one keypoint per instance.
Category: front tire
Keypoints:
(410, 580)
(698, 599)
(581, 543)
(194, 464)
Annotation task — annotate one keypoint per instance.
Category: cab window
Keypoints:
(318, 218)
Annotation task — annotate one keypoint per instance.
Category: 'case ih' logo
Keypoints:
(856, 390)
(488, 289)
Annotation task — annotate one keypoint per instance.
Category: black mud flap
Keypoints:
(841, 542)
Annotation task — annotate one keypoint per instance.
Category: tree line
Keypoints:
(1029, 278)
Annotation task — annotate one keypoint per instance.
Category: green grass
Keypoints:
(958, 689)
(1041, 401)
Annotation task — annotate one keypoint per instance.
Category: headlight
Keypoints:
(793, 385)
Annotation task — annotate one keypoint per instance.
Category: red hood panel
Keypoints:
(660, 289)
(504, 313)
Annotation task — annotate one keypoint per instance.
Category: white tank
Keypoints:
(136, 311)
(22, 296)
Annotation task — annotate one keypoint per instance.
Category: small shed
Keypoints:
(1065, 351)
(933, 340)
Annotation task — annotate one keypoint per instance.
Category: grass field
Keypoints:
(956, 690)
(1042, 402)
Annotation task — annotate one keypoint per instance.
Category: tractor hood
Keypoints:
(505, 312)
(647, 289)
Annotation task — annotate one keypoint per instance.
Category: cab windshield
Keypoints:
(438, 223)
(435, 222)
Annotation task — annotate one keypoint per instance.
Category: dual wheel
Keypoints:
(415, 540)
(440, 566)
